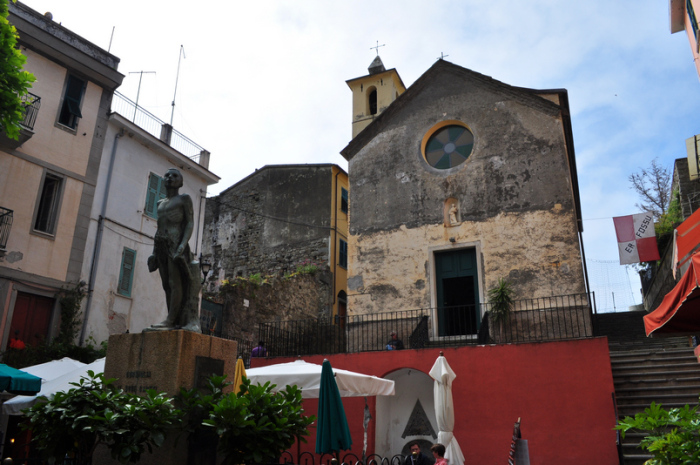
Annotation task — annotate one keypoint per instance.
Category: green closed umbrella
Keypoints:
(16, 381)
(332, 432)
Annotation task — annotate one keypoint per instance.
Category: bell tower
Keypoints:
(371, 94)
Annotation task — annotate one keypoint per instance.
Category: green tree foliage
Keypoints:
(95, 412)
(673, 436)
(256, 425)
(14, 83)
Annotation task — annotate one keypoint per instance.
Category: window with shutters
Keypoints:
(126, 274)
(343, 200)
(156, 191)
(72, 99)
(343, 254)
(48, 204)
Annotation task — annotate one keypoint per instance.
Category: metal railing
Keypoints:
(154, 126)
(31, 104)
(5, 226)
(531, 320)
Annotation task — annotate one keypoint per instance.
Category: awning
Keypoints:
(679, 312)
(16, 381)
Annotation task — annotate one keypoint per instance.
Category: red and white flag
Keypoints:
(636, 239)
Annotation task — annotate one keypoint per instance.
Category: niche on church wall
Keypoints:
(450, 212)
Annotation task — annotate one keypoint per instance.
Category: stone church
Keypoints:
(455, 183)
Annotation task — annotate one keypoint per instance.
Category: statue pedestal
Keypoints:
(166, 361)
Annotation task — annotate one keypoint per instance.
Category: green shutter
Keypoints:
(343, 254)
(154, 194)
(126, 275)
(343, 200)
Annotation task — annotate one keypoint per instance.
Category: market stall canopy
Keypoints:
(679, 312)
(307, 376)
(15, 405)
(16, 381)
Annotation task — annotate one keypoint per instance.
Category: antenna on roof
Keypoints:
(109, 49)
(138, 92)
(177, 76)
(442, 56)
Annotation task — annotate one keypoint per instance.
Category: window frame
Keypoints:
(342, 254)
(55, 207)
(157, 193)
(124, 267)
(71, 104)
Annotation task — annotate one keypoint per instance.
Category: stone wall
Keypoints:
(305, 296)
(271, 221)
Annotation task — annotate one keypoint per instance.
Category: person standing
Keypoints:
(416, 457)
(394, 343)
(259, 350)
(438, 451)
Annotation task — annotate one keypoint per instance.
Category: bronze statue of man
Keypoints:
(172, 257)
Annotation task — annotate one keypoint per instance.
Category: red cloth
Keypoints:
(679, 312)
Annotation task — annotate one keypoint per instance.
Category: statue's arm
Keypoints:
(188, 223)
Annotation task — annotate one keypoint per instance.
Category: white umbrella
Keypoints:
(53, 369)
(444, 409)
(307, 376)
(15, 405)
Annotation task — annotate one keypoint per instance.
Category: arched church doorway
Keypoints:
(407, 416)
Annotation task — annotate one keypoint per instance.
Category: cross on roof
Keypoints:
(377, 47)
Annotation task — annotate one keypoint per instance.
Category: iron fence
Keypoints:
(530, 320)
(5, 226)
(31, 104)
(154, 126)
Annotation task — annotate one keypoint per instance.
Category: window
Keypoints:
(126, 274)
(70, 110)
(692, 17)
(156, 191)
(343, 254)
(49, 202)
(373, 102)
(343, 200)
(447, 145)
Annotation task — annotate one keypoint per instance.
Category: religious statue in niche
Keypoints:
(453, 214)
(179, 272)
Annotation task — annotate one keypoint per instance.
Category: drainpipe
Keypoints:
(98, 237)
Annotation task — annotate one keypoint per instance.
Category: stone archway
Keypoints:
(409, 415)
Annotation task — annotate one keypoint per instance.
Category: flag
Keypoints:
(636, 239)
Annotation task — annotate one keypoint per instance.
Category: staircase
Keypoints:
(646, 370)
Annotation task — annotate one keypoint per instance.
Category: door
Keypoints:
(31, 318)
(457, 282)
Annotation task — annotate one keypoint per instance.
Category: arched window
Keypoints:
(373, 102)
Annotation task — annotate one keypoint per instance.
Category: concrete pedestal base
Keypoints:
(166, 361)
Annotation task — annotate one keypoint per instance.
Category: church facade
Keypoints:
(462, 181)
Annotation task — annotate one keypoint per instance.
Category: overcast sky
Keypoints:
(264, 82)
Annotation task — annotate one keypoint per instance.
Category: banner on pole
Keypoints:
(636, 239)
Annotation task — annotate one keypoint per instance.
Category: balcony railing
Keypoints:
(31, 104)
(5, 226)
(156, 127)
(532, 320)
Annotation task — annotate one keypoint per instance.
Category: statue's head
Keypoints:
(173, 178)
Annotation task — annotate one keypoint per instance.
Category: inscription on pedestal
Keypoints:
(205, 367)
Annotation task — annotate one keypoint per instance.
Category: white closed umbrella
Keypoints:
(307, 376)
(444, 409)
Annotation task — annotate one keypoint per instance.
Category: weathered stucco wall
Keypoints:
(515, 198)
(271, 221)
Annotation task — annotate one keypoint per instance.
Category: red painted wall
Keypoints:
(562, 391)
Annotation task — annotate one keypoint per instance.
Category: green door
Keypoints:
(457, 292)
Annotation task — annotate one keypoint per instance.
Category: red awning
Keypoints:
(679, 312)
